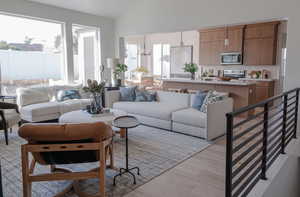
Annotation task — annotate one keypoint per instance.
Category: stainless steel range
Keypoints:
(235, 74)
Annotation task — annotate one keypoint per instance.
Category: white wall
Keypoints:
(283, 176)
(32, 9)
(178, 15)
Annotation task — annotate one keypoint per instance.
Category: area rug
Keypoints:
(153, 150)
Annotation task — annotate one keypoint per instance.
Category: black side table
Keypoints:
(126, 122)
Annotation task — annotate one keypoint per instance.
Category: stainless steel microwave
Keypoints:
(231, 58)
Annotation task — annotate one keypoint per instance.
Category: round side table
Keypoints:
(126, 122)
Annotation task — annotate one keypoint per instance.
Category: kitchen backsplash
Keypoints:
(273, 70)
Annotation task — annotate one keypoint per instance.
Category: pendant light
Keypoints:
(144, 52)
(181, 40)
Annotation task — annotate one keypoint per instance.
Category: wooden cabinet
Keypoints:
(264, 90)
(235, 36)
(260, 44)
(212, 43)
(211, 46)
(257, 42)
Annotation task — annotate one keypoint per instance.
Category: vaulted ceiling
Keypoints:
(109, 8)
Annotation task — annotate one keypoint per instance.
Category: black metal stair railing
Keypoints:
(254, 143)
(1, 190)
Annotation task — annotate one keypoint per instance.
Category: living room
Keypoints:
(173, 122)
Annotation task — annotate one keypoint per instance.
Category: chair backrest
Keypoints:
(51, 134)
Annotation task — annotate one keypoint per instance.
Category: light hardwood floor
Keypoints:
(203, 175)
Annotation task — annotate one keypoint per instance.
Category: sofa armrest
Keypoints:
(216, 117)
(111, 96)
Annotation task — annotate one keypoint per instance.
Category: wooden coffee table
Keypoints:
(81, 116)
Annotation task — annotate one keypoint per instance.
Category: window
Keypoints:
(131, 60)
(31, 53)
(86, 51)
(161, 60)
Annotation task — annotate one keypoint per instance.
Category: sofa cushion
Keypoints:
(150, 109)
(73, 105)
(144, 96)
(27, 96)
(212, 97)
(179, 99)
(190, 116)
(63, 95)
(198, 100)
(40, 109)
(127, 93)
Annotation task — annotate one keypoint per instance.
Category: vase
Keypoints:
(192, 76)
(96, 106)
(119, 83)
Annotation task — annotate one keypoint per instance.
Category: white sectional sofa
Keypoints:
(173, 111)
(39, 104)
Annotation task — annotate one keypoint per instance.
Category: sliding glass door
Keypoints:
(31, 53)
(161, 60)
(132, 60)
(86, 50)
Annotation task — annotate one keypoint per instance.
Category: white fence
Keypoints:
(29, 65)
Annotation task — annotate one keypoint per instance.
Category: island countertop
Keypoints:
(212, 82)
(242, 92)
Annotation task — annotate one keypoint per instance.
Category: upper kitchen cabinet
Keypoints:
(260, 44)
(212, 43)
(235, 39)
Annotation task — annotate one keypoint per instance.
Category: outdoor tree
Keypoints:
(28, 40)
(4, 45)
(58, 41)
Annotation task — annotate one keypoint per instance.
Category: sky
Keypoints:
(15, 29)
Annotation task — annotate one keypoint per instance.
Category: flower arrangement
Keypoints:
(191, 68)
(94, 87)
(142, 70)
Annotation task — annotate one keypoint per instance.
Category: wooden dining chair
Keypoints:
(9, 116)
(56, 144)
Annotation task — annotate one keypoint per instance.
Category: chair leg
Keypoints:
(32, 166)
(6, 135)
(102, 172)
(111, 154)
(25, 172)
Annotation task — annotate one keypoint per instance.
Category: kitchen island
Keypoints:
(242, 92)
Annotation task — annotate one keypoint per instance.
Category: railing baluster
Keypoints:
(296, 113)
(229, 148)
(240, 146)
(265, 142)
(283, 132)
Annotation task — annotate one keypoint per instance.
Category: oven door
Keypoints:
(231, 58)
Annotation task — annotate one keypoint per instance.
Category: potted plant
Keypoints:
(120, 69)
(141, 71)
(191, 68)
(96, 90)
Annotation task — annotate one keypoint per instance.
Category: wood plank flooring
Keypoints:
(203, 175)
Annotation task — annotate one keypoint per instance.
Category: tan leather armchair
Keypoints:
(53, 144)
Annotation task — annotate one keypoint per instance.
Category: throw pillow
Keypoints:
(127, 93)
(199, 99)
(212, 97)
(144, 96)
(63, 95)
